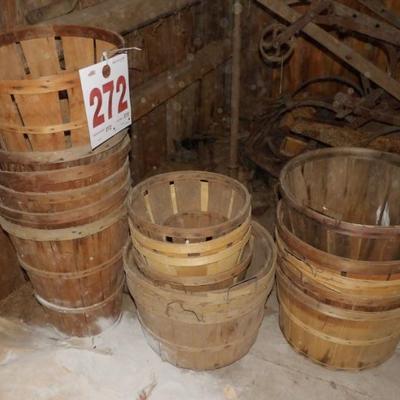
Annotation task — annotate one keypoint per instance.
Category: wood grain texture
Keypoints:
(344, 201)
(209, 329)
(123, 15)
(67, 221)
(151, 206)
(41, 95)
(334, 337)
(11, 274)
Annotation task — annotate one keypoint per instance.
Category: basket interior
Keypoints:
(188, 201)
(39, 52)
(353, 189)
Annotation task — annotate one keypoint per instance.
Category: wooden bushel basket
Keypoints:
(345, 202)
(188, 280)
(188, 206)
(332, 336)
(67, 197)
(51, 160)
(341, 313)
(351, 284)
(190, 227)
(207, 263)
(77, 272)
(41, 101)
(210, 329)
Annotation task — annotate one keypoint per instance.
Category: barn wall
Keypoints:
(308, 60)
(156, 135)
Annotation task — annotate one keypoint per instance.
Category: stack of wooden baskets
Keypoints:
(62, 204)
(199, 270)
(338, 235)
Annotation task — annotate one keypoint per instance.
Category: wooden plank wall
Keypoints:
(308, 61)
(167, 43)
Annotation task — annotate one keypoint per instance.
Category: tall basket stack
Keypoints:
(338, 235)
(199, 269)
(62, 203)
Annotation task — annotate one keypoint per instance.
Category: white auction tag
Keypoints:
(105, 89)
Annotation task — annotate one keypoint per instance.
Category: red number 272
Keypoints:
(96, 98)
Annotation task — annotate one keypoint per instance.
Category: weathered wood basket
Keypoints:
(210, 329)
(196, 278)
(77, 272)
(191, 228)
(332, 336)
(41, 102)
(67, 197)
(208, 263)
(188, 206)
(331, 308)
(52, 160)
(345, 201)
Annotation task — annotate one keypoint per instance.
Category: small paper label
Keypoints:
(106, 97)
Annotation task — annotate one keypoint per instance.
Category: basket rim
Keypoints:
(334, 261)
(265, 273)
(63, 157)
(340, 225)
(42, 31)
(188, 232)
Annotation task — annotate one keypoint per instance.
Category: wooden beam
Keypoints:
(151, 94)
(338, 48)
(123, 16)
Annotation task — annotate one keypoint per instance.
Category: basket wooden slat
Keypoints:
(209, 329)
(67, 257)
(188, 206)
(52, 160)
(41, 99)
(345, 202)
(332, 336)
(339, 312)
(37, 199)
(190, 227)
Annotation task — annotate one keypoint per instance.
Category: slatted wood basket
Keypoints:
(345, 202)
(210, 276)
(210, 329)
(188, 206)
(191, 228)
(333, 336)
(76, 272)
(341, 313)
(41, 101)
(351, 284)
(67, 197)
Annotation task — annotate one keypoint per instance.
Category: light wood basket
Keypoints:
(70, 196)
(332, 336)
(77, 272)
(341, 313)
(191, 228)
(210, 329)
(188, 206)
(345, 201)
(41, 101)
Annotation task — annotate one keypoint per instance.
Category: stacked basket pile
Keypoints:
(338, 235)
(62, 204)
(199, 270)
